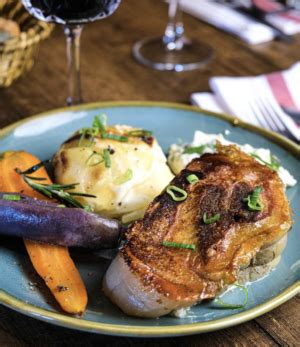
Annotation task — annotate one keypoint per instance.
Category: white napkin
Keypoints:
(288, 22)
(248, 29)
(238, 96)
(229, 20)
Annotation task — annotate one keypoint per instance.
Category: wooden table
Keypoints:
(110, 73)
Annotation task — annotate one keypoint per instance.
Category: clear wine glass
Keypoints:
(72, 14)
(174, 51)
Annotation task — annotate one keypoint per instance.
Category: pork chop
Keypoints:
(153, 275)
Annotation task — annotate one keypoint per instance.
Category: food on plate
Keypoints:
(123, 166)
(224, 213)
(49, 222)
(182, 154)
(52, 263)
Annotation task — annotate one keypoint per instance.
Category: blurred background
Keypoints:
(122, 57)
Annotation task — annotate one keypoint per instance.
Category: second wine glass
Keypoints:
(174, 51)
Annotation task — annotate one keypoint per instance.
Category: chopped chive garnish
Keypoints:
(98, 129)
(61, 206)
(182, 193)
(100, 158)
(119, 138)
(88, 208)
(253, 201)
(192, 179)
(106, 158)
(99, 123)
(84, 133)
(212, 219)
(273, 165)
(226, 305)
(178, 245)
(140, 133)
(89, 161)
(124, 178)
(11, 197)
(192, 150)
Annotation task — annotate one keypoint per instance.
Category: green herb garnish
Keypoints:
(192, 179)
(88, 208)
(140, 133)
(212, 219)
(253, 202)
(85, 132)
(99, 124)
(182, 193)
(11, 197)
(178, 245)
(106, 158)
(124, 178)
(273, 165)
(193, 150)
(102, 157)
(94, 154)
(119, 138)
(60, 192)
(35, 168)
(99, 129)
(226, 305)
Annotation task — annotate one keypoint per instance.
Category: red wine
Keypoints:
(71, 11)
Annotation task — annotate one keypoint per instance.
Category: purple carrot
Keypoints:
(47, 222)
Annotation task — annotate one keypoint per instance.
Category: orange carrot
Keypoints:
(52, 263)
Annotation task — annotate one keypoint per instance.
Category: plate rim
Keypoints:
(67, 321)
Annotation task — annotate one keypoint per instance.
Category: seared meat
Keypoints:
(149, 279)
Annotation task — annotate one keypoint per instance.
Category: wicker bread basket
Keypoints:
(17, 53)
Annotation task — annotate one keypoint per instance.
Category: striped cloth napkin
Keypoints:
(248, 29)
(240, 96)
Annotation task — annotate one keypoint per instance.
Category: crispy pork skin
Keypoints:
(148, 279)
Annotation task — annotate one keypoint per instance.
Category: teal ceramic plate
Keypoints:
(22, 290)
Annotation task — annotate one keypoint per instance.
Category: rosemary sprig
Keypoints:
(60, 192)
(35, 168)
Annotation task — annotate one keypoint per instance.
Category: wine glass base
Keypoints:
(153, 53)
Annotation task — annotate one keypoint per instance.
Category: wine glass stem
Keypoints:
(73, 34)
(173, 38)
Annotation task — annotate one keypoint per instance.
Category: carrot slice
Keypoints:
(52, 263)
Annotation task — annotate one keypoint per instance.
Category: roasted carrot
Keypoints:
(52, 263)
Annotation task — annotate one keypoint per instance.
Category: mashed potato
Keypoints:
(179, 156)
(136, 174)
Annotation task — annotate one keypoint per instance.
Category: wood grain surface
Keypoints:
(110, 73)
